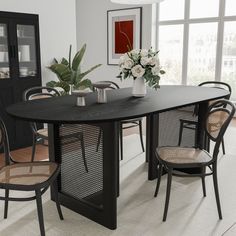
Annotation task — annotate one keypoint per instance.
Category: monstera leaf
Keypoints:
(62, 71)
(69, 72)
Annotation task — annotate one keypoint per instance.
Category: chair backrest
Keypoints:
(39, 93)
(213, 84)
(112, 86)
(4, 143)
(218, 117)
(218, 84)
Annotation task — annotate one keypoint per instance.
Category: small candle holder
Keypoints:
(101, 90)
(80, 94)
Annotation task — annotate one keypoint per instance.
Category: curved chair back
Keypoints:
(214, 84)
(112, 86)
(39, 93)
(4, 143)
(218, 84)
(218, 117)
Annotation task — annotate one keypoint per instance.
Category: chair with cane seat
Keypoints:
(27, 176)
(41, 134)
(192, 123)
(124, 124)
(218, 117)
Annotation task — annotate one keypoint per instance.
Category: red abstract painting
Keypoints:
(124, 39)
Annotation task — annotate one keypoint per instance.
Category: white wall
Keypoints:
(57, 27)
(92, 29)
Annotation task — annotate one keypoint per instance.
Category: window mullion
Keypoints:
(220, 41)
(158, 26)
(185, 42)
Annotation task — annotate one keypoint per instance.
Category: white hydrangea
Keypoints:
(128, 64)
(122, 60)
(138, 71)
(135, 52)
(144, 61)
(156, 70)
(144, 53)
(154, 61)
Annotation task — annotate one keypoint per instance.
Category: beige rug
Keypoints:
(139, 214)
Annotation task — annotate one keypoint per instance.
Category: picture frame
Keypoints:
(124, 32)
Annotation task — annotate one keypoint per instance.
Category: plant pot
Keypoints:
(139, 87)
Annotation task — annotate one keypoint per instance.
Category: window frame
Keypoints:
(186, 22)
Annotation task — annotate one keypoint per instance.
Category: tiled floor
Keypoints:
(138, 212)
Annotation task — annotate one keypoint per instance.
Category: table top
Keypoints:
(120, 106)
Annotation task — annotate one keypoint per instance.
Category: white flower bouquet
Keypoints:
(141, 63)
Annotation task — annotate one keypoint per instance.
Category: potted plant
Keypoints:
(143, 66)
(69, 73)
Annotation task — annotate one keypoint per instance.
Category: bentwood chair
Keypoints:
(41, 134)
(27, 176)
(192, 123)
(218, 117)
(124, 124)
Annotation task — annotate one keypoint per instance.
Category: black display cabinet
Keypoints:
(19, 69)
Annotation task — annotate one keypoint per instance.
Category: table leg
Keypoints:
(152, 134)
(202, 141)
(92, 194)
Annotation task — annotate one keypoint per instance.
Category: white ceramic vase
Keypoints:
(139, 87)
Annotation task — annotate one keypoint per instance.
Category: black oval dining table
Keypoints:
(93, 193)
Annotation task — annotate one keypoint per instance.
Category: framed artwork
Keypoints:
(124, 29)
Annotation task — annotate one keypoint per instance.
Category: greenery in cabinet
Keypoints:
(69, 72)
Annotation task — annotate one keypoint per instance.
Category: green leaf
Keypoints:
(59, 84)
(70, 56)
(162, 72)
(84, 84)
(64, 62)
(64, 85)
(51, 84)
(78, 58)
(69, 73)
(62, 71)
(82, 75)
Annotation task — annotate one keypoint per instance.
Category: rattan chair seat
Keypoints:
(31, 173)
(180, 155)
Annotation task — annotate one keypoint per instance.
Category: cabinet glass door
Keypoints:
(4, 56)
(26, 50)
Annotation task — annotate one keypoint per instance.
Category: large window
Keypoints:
(197, 41)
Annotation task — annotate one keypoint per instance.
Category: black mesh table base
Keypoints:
(169, 125)
(91, 192)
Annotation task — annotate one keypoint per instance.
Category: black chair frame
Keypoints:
(39, 189)
(219, 105)
(193, 124)
(133, 123)
(37, 137)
